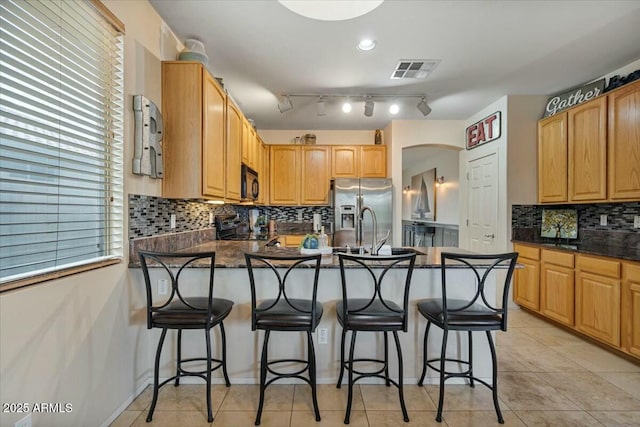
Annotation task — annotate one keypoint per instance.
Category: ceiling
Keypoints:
(487, 49)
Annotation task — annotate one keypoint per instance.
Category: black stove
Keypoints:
(228, 226)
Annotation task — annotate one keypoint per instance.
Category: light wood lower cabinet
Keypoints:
(557, 286)
(598, 298)
(526, 291)
(630, 317)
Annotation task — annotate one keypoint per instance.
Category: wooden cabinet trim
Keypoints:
(530, 252)
(565, 259)
(600, 266)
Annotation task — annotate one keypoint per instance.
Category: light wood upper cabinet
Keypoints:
(373, 161)
(631, 308)
(344, 161)
(359, 161)
(624, 143)
(553, 159)
(557, 286)
(315, 174)
(587, 137)
(234, 149)
(526, 290)
(193, 108)
(598, 298)
(284, 175)
(264, 175)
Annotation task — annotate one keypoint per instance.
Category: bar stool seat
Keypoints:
(180, 312)
(285, 313)
(470, 314)
(375, 316)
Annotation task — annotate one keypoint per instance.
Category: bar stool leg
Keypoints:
(263, 375)
(424, 353)
(350, 369)
(224, 355)
(179, 358)
(312, 373)
(386, 359)
(400, 391)
(471, 383)
(156, 375)
(443, 354)
(207, 338)
(344, 333)
(494, 361)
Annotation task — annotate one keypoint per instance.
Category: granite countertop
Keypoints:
(230, 254)
(588, 248)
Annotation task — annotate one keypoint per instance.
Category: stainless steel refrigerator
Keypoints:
(349, 196)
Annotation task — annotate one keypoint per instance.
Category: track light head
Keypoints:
(285, 105)
(368, 107)
(423, 107)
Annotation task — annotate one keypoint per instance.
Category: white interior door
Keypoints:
(483, 204)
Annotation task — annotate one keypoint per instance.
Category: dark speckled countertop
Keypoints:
(627, 253)
(230, 254)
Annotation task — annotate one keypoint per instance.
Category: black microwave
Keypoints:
(250, 187)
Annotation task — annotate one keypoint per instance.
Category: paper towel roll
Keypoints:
(317, 222)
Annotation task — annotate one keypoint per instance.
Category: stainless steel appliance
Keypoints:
(250, 188)
(229, 227)
(349, 197)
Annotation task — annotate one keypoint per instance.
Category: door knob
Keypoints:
(490, 235)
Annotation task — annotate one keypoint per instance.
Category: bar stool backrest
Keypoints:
(282, 269)
(172, 265)
(377, 268)
(481, 266)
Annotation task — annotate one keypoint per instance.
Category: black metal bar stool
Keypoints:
(178, 311)
(471, 313)
(282, 312)
(373, 313)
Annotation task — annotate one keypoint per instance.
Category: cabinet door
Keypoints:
(263, 178)
(182, 102)
(284, 182)
(373, 161)
(557, 292)
(246, 144)
(624, 143)
(316, 175)
(552, 159)
(631, 309)
(526, 291)
(213, 142)
(598, 307)
(234, 151)
(587, 138)
(344, 162)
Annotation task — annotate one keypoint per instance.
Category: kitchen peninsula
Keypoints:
(243, 349)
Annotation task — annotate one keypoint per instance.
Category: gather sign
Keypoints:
(566, 100)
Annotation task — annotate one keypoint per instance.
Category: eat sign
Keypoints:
(484, 131)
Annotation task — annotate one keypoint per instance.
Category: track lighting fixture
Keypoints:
(320, 107)
(346, 107)
(285, 105)
(368, 107)
(423, 107)
(394, 108)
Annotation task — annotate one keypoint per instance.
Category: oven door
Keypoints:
(250, 186)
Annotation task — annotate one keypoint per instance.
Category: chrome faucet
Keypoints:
(375, 246)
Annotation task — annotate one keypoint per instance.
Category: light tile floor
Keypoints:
(548, 377)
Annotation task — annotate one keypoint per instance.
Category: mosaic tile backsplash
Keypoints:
(150, 216)
(526, 222)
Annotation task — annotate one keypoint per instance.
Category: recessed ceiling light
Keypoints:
(366, 44)
(394, 108)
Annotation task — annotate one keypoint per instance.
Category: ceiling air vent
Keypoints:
(414, 68)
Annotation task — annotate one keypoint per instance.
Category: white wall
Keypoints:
(324, 137)
(83, 339)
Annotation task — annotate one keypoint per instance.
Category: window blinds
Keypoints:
(61, 98)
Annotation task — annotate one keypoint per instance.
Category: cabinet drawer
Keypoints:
(564, 259)
(602, 267)
(632, 272)
(527, 252)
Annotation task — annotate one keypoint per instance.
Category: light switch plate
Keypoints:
(603, 219)
(163, 287)
(636, 221)
(173, 221)
(323, 335)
